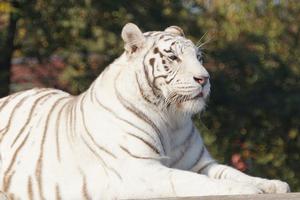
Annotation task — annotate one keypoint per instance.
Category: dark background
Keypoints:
(251, 50)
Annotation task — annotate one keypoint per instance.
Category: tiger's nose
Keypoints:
(202, 80)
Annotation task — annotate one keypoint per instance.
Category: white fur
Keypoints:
(104, 148)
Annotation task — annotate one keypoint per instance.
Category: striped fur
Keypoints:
(130, 135)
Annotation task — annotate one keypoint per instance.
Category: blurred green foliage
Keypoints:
(253, 57)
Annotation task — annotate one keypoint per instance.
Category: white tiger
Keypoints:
(130, 135)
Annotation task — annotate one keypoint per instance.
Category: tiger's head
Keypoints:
(169, 68)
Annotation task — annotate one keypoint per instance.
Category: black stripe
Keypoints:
(122, 119)
(204, 166)
(94, 152)
(188, 137)
(186, 145)
(150, 33)
(186, 87)
(199, 157)
(151, 61)
(92, 92)
(135, 156)
(29, 188)
(72, 117)
(57, 192)
(178, 29)
(153, 81)
(12, 114)
(7, 181)
(68, 123)
(75, 115)
(147, 72)
(146, 142)
(171, 38)
(148, 79)
(35, 104)
(7, 177)
(156, 33)
(157, 77)
(130, 107)
(9, 99)
(4, 101)
(168, 50)
(104, 165)
(220, 173)
(5, 130)
(39, 164)
(161, 37)
(142, 91)
(84, 189)
(89, 133)
(57, 131)
(171, 79)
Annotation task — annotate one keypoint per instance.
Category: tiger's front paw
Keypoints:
(247, 189)
(274, 186)
(242, 189)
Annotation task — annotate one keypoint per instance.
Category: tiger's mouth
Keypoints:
(192, 98)
(199, 95)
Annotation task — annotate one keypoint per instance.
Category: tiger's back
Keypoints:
(39, 148)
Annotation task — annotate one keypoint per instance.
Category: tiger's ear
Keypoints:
(133, 37)
(175, 30)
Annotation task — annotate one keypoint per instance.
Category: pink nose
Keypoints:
(202, 80)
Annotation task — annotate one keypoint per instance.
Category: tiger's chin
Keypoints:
(191, 107)
(194, 106)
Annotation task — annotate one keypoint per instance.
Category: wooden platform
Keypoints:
(288, 196)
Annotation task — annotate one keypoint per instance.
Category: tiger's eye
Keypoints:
(200, 58)
(173, 57)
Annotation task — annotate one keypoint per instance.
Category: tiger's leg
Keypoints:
(157, 181)
(223, 172)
